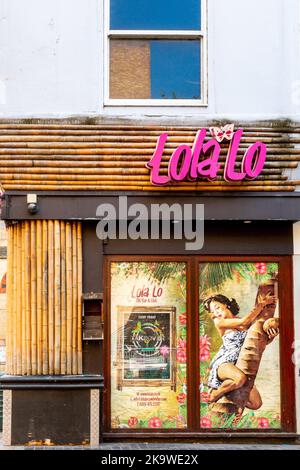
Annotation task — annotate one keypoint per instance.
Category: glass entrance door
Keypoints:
(148, 345)
(199, 344)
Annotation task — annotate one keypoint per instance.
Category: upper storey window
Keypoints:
(156, 52)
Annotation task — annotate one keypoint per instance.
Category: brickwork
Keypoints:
(130, 69)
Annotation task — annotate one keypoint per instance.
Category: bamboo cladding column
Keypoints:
(44, 288)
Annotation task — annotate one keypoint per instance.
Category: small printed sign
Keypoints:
(146, 345)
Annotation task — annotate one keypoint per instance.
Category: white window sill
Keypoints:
(151, 103)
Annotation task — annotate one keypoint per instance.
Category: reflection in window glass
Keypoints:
(175, 69)
(148, 345)
(156, 69)
(239, 365)
(155, 14)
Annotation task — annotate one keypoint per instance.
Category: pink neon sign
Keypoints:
(202, 159)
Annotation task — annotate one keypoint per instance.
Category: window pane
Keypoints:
(148, 345)
(157, 69)
(155, 14)
(175, 69)
(130, 69)
(247, 357)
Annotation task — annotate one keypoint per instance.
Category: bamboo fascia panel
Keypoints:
(44, 289)
(53, 156)
(60, 187)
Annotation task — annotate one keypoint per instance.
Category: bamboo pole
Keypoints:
(33, 297)
(30, 161)
(141, 183)
(270, 175)
(15, 305)
(92, 130)
(12, 299)
(23, 293)
(151, 139)
(136, 150)
(69, 295)
(63, 352)
(7, 325)
(129, 178)
(92, 173)
(74, 299)
(12, 302)
(50, 296)
(109, 150)
(57, 298)
(79, 296)
(89, 166)
(111, 140)
(74, 124)
(39, 284)
(290, 186)
(9, 297)
(28, 297)
(180, 189)
(18, 312)
(45, 298)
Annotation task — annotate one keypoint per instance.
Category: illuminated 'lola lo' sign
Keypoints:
(202, 160)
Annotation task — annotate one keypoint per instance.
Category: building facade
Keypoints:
(118, 123)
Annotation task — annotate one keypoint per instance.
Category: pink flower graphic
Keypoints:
(181, 398)
(204, 348)
(204, 397)
(263, 423)
(181, 350)
(261, 268)
(181, 343)
(132, 422)
(205, 422)
(181, 355)
(182, 319)
(154, 423)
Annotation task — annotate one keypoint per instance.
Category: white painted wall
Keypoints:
(51, 55)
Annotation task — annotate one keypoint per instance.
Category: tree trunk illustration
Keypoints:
(249, 357)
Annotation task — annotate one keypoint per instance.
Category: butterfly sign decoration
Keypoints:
(221, 133)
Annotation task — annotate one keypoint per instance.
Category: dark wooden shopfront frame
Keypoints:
(286, 338)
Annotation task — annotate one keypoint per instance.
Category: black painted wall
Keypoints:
(221, 238)
(50, 416)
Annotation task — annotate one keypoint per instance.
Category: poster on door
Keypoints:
(239, 333)
(146, 339)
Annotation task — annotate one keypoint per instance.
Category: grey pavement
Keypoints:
(161, 446)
